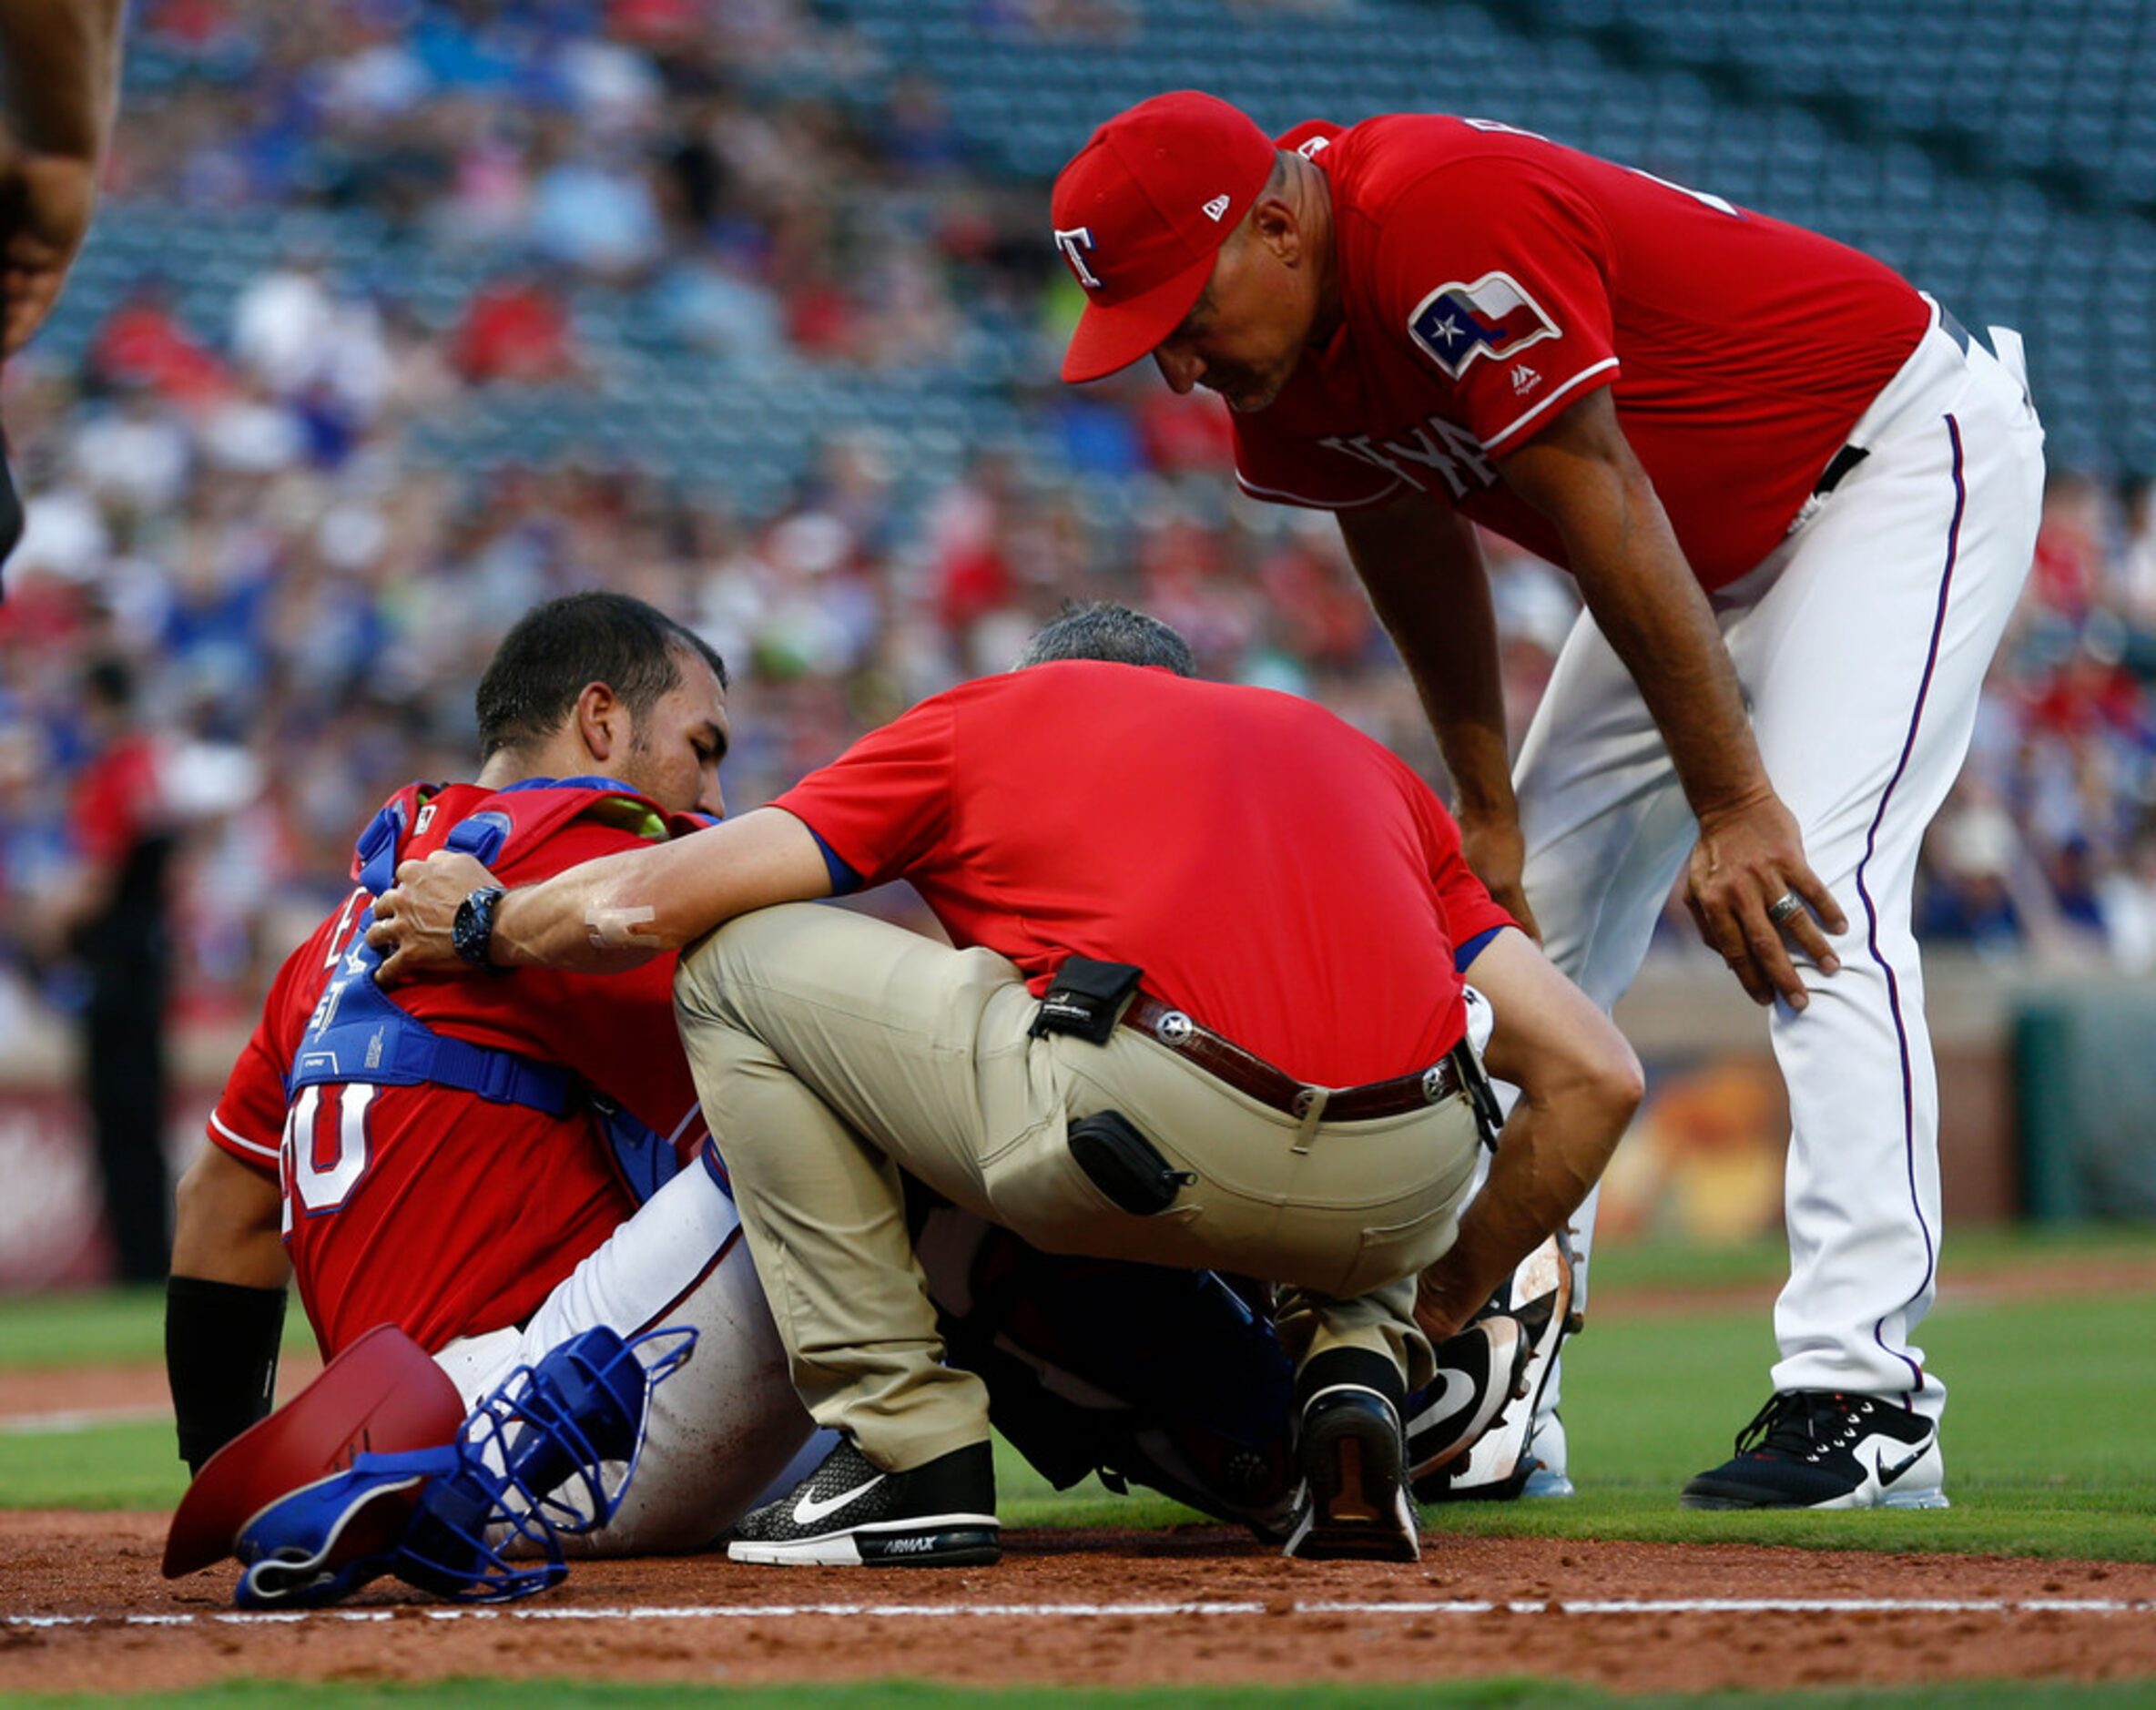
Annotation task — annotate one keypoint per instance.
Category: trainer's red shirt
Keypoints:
(435, 1209)
(1285, 880)
(1489, 279)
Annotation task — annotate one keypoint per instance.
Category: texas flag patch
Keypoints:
(1493, 317)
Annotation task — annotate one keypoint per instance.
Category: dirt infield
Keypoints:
(1111, 1609)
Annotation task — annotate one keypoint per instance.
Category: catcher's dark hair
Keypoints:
(1113, 633)
(545, 663)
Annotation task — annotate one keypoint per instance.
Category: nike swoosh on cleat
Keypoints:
(1887, 1474)
(1453, 1389)
(808, 1511)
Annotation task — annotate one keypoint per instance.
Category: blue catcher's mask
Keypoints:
(526, 1469)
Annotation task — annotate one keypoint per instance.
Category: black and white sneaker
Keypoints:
(1480, 1373)
(1352, 1503)
(851, 1513)
(1822, 1448)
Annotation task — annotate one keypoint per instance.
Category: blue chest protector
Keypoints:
(358, 1033)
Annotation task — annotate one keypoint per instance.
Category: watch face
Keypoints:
(473, 926)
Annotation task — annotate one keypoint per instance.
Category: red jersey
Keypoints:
(1285, 880)
(435, 1209)
(1489, 279)
(118, 800)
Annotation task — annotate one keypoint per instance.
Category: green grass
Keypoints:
(99, 1327)
(2045, 1452)
(1969, 1255)
(2048, 1453)
(1482, 1694)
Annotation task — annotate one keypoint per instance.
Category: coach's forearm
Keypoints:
(1423, 570)
(59, 68)
(1582, 475)
(618, 911)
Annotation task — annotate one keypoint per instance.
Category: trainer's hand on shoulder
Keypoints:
(413, 920)
(1748, 858)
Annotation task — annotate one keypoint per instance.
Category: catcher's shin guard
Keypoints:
(524, 1469)
(532, 1467)
(381, 1395)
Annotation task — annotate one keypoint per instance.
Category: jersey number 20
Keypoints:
(324, 1150)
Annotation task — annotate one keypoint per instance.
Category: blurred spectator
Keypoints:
(111, 919)
(516, 328)
(144, 343)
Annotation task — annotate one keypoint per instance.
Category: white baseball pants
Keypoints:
(724, 1428)
(1861, 645)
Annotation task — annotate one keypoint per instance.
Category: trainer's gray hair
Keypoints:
(1112, 634)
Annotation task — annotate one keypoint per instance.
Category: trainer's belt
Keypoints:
(1278, 1090)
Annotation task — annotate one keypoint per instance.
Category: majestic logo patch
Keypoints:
(1215, 208)
(1492, 316)
(1524, 380)
(1070, 243)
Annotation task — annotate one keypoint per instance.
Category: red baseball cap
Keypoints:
(1140, 213)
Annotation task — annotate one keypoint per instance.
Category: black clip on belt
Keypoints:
(1839, 465)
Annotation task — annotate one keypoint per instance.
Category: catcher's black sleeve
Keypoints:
(221, 1358)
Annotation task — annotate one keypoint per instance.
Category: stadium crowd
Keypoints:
(245, 507)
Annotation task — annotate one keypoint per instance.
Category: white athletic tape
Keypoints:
(615, 929)
(1065, 1612)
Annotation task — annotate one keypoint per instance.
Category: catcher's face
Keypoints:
(675, 749)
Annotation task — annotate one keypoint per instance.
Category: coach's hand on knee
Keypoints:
(1750, 890)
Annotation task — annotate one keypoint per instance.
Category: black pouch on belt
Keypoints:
(1084, 997)
(1125, 1165)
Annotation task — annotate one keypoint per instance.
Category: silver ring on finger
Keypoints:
(1785, 906)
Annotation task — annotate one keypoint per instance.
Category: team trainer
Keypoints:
(1205, 1011)
(1787, 484)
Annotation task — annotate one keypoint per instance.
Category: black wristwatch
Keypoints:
(472, 931)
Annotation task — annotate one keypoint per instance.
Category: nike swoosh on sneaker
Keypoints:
(1453, 1391)
(1887, 1474)
(808, 1511)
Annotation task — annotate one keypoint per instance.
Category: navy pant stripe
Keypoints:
(1901, 1032)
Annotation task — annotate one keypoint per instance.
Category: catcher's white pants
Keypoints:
(1861, 645)
(724, 1428)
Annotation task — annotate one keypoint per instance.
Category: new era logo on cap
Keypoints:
(1140, 213)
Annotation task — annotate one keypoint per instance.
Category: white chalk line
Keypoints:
(70, 1420)
(1062, 1612)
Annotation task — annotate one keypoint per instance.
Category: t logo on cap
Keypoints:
(1069, 243)
(1141, 213)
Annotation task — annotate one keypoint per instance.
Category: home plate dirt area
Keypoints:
(81, 1606)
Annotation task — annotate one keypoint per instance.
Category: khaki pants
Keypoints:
(832, 1050)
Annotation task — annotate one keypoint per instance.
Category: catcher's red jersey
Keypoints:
(436, 1209)
(1489, 279)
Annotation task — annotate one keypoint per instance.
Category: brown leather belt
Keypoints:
(1280, 1091)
